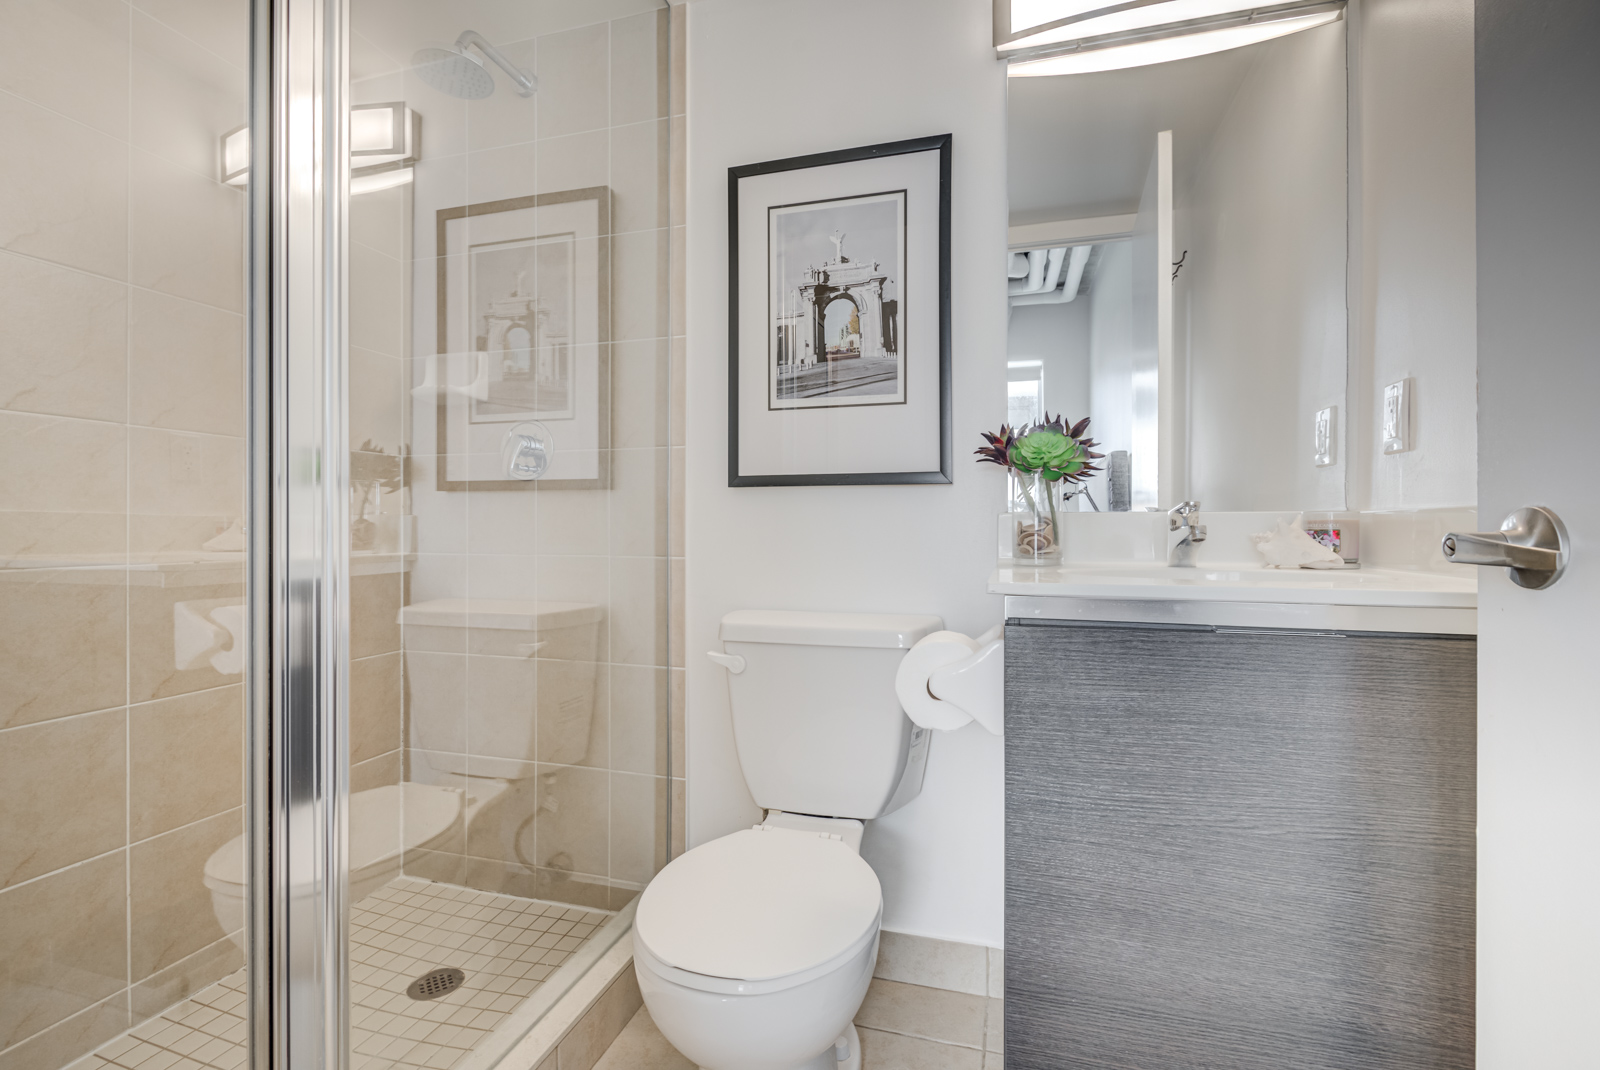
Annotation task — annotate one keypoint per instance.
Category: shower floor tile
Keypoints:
(505, 945)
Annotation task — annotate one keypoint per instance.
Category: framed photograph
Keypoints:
(839, 308)
(523, 326)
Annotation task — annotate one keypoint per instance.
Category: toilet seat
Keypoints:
(766, 904)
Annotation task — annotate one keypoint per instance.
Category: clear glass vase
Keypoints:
(1031, 527)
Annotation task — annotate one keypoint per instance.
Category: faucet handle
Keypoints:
(1181, 515)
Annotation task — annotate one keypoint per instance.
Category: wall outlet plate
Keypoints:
(1397, 417)
(1322, 450)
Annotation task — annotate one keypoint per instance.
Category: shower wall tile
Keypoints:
(503, 521)
(507, 117)
(375, 603)
(220, 26)
(64, 347)
(573, 161)
(184, 97)
(153, 670)
(63, 945)
(65, 786)
(638, 610)
(185, 365)
(639, 68)
(186, 759)
(573, 91)
(376, 772)
(375, 705)
(178, 473)
(182, 979)
(93, 89)
(38, 535)
(186, 233)
(170, 912)
(59, 465)
(572, 522)
(639, 263)
(676, 468)
(639, 393)
(436, 700)
(65, 1041)
(638, 833)
(571, 826)
(639, 176)
(502, 695)
(640, 696)
(639, 503)
(63, 644)
(572, 730)
(62, 189)
(377, 401)
(380, 220)
(377, 301)
(678, 712)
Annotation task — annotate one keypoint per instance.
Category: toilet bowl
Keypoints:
(755, 950)
(385, 823)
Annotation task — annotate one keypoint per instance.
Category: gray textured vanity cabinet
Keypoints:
(1238, 850)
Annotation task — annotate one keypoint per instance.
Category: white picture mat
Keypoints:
(857, 439)
(472, 450)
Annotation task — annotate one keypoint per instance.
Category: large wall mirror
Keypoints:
(1178, 270)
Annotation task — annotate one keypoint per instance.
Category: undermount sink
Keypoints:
(1242, 583)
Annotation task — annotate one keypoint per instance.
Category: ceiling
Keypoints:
(1079, 145)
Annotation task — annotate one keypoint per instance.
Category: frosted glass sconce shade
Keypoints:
(1046, 37)
(385, 140)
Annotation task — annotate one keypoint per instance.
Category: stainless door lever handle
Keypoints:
(1531, 542)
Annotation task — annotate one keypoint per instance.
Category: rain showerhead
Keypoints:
(458, 72)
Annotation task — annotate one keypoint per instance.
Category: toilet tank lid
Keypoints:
(510, 614)
(883, 630)
(759, 904)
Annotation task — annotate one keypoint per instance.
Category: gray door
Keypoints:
(1538, 101)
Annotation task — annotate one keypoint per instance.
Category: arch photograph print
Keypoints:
(839, 294)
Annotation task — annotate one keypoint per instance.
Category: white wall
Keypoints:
(765, 82)
(1262, 292)
(1414, 284)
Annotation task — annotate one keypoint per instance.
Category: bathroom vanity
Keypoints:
(1240, 810)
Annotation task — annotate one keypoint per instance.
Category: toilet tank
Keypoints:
(815, 718)
(523, 672)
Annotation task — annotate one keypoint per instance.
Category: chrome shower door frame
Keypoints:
(297, 520)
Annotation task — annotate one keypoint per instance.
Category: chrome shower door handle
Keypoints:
(1531, 543)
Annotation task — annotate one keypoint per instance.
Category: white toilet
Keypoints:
(755, 950)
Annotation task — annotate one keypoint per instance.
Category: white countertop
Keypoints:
(1243, 583)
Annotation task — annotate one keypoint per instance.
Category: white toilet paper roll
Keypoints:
(932, 652)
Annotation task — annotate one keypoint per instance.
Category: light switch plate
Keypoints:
(1397, 417)
(1322, 437)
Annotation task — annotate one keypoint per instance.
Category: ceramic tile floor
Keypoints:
(902, 1027)
(506, 946)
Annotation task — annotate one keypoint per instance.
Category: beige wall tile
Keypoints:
(501, 698)
(180, 473)
(676, 476)
(997, 973)
(170, 907)
(375, 603)
(679, 709)
(675, 612)
(639, 176)
(640, 1046)
(639, 502)
(573, 94)
(436, 701)
(63, 945)
(677, 407)
(994, 1028)
(63, 646)
(65, 1041)
(572, 705)
(639, 265)
(65, 793)
(54, 534)
(507, 117)
(891, 1051)
(640, 697)
(186, 365)
(677, 243)
(678, 16)
(922, 960)
(639, 826)
(223, 26)
(572, 521)
(375, 706)
(63, 190)
(186, 233)
(58, 465)
(588, 1040)
(503, 831)
(376, 772)
(152, 663)
(638, 605)
(639, 67)
(94, 88)
(377, 301)
(502, 521)
(184, 97)
(680, 837)
(930, 1013)
(640, 393)
(381, 220)
(571, 826)
(677, 195)
(576, 161)
(186, 759)
(377, 402)
(65, 343)
(184, 978)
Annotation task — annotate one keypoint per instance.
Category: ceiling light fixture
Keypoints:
(1047, 37)
(385, 141)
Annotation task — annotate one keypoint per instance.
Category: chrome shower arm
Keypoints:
(526, 83)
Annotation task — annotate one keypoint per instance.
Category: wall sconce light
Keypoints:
(385, 141)
(1047, 37)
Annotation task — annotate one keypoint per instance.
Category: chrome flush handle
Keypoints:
(1531, 543)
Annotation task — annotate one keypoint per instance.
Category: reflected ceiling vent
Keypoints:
(458, 72)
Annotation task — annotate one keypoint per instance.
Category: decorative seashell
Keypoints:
(1036, 538)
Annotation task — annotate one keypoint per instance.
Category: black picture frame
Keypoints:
(941, 143)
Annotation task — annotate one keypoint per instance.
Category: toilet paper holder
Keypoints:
(948, 680)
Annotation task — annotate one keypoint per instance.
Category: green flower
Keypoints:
(1052, 454)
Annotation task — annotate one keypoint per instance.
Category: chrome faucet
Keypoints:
(1184, 518)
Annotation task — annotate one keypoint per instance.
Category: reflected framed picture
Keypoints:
(523, 330)
(839, 310)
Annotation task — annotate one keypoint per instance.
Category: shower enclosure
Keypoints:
(339, 527)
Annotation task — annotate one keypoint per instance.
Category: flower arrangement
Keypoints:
(1043, 458)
